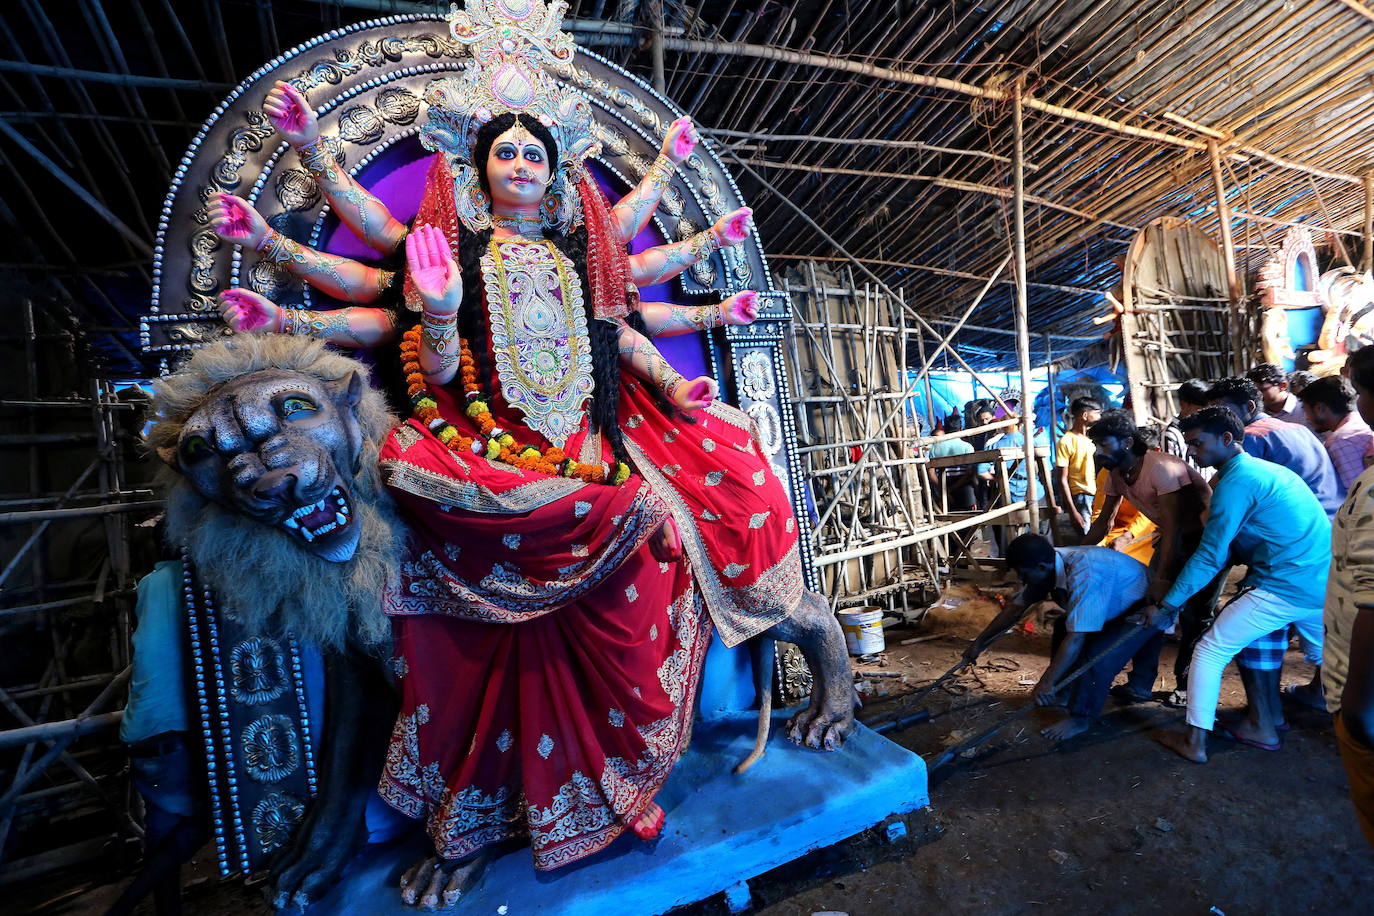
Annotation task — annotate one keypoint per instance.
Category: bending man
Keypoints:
(1097, 587)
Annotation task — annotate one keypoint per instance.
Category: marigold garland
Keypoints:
(500, 444)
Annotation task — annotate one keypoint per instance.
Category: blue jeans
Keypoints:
(1088, 694)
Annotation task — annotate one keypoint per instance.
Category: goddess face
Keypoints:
(518, 169)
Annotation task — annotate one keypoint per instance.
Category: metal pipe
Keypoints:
(18, 518)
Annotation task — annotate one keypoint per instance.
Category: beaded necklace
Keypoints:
(500, 444)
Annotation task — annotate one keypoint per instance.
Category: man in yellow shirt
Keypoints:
(1075, 473)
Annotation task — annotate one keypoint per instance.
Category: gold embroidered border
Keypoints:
(465, 494)
(738, 613)
(488, 601)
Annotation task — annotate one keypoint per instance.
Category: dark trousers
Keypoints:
(1088, 694)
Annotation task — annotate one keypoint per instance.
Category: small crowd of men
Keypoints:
(1267, 472)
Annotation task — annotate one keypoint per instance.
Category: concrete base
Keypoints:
(721, 830)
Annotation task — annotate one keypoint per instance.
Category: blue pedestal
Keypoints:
(721, 830)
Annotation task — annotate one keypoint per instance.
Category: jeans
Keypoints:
(1083, 502)
(1247, 617)
(1088, 694)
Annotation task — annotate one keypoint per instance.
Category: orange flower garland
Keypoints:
(500, 445)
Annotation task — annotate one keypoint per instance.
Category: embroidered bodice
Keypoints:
(539, 338)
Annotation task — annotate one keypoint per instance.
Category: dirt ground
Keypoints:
(1109, 822)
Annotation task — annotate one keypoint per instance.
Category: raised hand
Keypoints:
(291, 114)
(741, 308)
(733, 227)
(694, 394)
(234, 221)
(433, 270)
(680, 140)
(247, 312)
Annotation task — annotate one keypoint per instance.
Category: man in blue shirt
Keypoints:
(1264, 510)
(1097, 587)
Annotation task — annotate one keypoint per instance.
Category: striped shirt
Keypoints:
(1102, 584)
(1347, 444)
(1349, 584)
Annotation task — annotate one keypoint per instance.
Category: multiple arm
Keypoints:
(247, 312)
(343, 278)
(632, 213)
(663, 262)
(639, 356)
(664, 319)
(355, 206)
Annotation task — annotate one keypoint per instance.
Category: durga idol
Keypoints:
(581, 516)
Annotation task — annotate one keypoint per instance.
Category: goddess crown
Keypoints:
(517, 52)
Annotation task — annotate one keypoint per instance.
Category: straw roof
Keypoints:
(887, 123)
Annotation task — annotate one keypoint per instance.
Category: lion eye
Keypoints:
(195, 448)
(297, 408)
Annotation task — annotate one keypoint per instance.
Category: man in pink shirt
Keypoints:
(1172, 494)
(1330, 406)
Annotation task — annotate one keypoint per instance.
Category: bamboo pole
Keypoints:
(1022, 304)
(1367, 263)
(1228, 251)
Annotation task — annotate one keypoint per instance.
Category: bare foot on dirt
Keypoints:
(649, 824)
(437, 884)
(1182, 745)
(1247, 729)
(1067, 728)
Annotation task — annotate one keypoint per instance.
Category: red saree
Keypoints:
(548, 662)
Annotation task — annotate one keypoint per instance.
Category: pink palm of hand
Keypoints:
(432, 269)
(234, 221)
(290, 113)
(734, 227)
(681, 140)
(246, 311)
(742, 308)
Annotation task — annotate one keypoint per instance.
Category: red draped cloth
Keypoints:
(548, 662)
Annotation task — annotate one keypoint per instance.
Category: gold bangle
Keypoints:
(317, 157)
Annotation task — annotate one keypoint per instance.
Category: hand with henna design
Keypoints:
(680, 140)
(247, 312)
(235, 221)
(286, 107)
(733, 227)
(741, 308)
(433, 270)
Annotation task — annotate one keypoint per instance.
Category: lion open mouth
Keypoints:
(328, 516)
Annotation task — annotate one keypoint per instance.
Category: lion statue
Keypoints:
(274, 495)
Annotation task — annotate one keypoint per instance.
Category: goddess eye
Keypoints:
(295, 408)
(195, 448)
(505, 152)
(534, 155)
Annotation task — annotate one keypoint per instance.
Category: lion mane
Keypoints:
(259, 574)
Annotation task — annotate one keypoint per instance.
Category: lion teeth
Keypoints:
(340, 518)
(292, 523)
(305, 533)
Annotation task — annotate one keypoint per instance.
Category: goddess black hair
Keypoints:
(605, 399)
